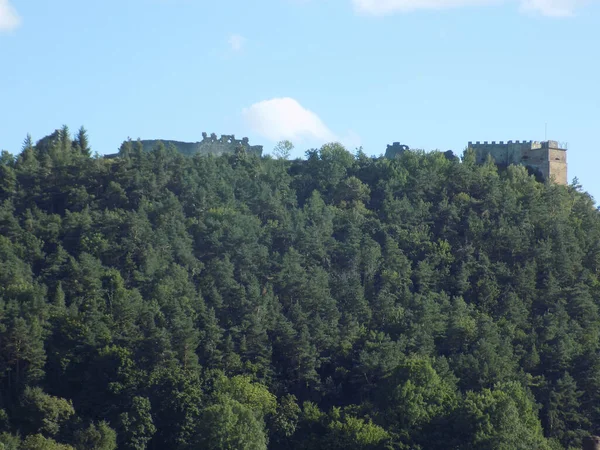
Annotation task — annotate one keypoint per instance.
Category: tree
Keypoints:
(39, 442)
(136, 425)
(229, 425)
(23, 352)
(27, 143)
(415, 395)
(501, 418)
(9, 442)
(82, 142)
(96, 437)
(8, 181)
(177, 398)
(64, 136)
(28, 158)
(353, 433)
(283, 149)
(565, 419)
(248, 393)
(45, 413)
(285, 419)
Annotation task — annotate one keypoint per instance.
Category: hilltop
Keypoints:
(210, 145)
(343, 302)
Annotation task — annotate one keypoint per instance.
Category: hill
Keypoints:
(161, 301)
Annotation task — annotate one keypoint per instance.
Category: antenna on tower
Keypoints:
(546, 131)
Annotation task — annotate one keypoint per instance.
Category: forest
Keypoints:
(339, 301)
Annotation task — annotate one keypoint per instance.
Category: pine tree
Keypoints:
(81, 142)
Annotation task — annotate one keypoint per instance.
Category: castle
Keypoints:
(547, 157)
(210, 145)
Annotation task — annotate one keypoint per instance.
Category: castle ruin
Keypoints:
(547, 157)
(395, 149)
(210, 145)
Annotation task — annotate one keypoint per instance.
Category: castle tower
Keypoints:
(546, 157)
(395, 149)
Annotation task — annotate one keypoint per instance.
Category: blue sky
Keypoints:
(432, 74)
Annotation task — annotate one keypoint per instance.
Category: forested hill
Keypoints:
(156, 301)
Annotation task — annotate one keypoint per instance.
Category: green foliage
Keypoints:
(136, 425)
(153, 300)
(415, 394)
(96, 437)
(253, 395)
(230, 425)
(9, 442)
(283, 149)
(43, 412)
(502, 418)
(285, 420)
(39, 442)
(81, 142)
(356, 434)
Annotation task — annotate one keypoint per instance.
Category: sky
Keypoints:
(431, 74)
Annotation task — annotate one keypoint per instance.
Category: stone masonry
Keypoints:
(210, 145)
(395, 149)
(547, 157)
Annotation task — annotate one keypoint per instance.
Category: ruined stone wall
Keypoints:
(395, 149)
(210, 145)
(226, 144)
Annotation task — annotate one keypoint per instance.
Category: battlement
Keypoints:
(227, 143)
(533, 144)
(229, 140)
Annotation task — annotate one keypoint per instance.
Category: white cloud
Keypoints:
(236, 42)
(284, 118)
(385, 7)
(555, 8)
(9, 19)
